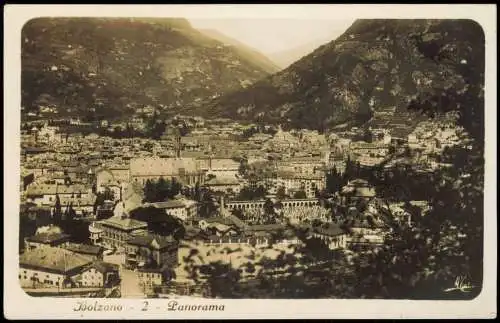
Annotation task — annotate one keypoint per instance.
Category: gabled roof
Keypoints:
(366, 224)
(266, 227)
(153, 241)
(53, 259)
(219, 226)
(222, 181)
(170, 204)
(84, 248)
(236, 221)
(104, 267)
(127, 224)
(42, 189)
(224, 163)
(162, 166)
(49, 237)
(331, 230)
(218, 219)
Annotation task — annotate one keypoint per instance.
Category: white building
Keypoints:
(51, 267)
(333, 236)
(220, 167)
(180, 208)
(308, 183)
(229, 185)
(100, 274)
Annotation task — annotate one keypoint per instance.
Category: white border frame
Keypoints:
(17, 305)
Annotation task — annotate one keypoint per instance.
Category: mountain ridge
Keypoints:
(244, 49)
(105, 67)
(374, 65)
(287, 57)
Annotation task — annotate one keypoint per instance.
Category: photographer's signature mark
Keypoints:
(462, 284)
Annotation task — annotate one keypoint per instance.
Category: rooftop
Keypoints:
(266, 227)
(84, 248)
(42, 189)
(54, 259)
(222, 181)
(127, 224)
(104, 267)
(162, 166)
(153, 241)
(49, 237)
(170, 204)
(331, 230)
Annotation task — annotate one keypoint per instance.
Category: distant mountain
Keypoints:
(244, 50)
(285, 58)
(375, 66)
(106, 67)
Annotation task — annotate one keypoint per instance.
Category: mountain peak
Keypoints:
(373, 65)
(101, 67)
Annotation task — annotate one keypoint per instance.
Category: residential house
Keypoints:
(332, 234)
(51, 267)
(92, 251)
(150, 277)
(293, 182)
(227, 185)
(83, 206)
(180, 208)
(100, 274)
(220, 167)
(106, 180)
(361, 148)
(45, 194)
(218, 226)
(151, 251)
(46, 239)
(117, 230)
(366, 233)
(357, 190)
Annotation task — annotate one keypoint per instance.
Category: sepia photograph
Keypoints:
(251, 158)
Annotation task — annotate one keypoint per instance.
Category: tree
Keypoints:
(207, 204)
(367, 136)
(334, 181)
(243, 168)
(269, 208)
(150, 193)
(163, 190)
(155, 127)
(300, 195)
(57, 210)
(238, 213)
(159, 222)
(252, 193)
(70, 213)
(129, 131)
(175, 188)
(281, 193)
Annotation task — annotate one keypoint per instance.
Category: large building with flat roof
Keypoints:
(186, 170)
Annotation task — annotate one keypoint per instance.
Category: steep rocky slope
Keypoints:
(287, 57)
(244, 50)
(105, 67)
(375, 66)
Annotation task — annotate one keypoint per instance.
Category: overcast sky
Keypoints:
(275, 35)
